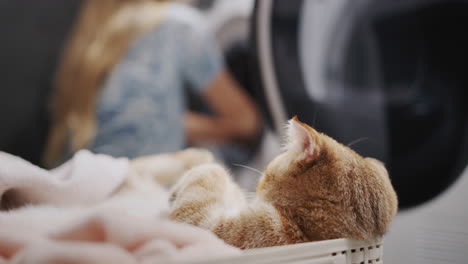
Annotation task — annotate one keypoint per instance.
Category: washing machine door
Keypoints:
(384, 77)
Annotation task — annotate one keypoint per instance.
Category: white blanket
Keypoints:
(85, 179)
(93, 209)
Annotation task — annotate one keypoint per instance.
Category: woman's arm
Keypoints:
(236, 116)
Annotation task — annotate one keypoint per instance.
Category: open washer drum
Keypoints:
(390, 79)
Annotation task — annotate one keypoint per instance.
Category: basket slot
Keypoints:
(362, 255)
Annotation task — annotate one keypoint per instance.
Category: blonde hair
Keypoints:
(102, 34)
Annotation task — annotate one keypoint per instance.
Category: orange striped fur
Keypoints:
(317, 189)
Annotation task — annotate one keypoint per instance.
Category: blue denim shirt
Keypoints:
(141, 105)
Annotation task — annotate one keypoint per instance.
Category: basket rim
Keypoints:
(290, 253)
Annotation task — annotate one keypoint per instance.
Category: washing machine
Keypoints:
(389, 79)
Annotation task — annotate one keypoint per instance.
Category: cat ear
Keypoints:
(302, 139)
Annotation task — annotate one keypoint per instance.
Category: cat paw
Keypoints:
(193, 157)
(168, 168)
(209, 179)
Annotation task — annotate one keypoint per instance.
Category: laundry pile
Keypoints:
(93, 209)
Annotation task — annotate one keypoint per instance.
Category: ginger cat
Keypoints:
(317, 189)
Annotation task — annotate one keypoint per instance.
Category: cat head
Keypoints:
(326, 189)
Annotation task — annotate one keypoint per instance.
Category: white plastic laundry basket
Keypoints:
(338, 251)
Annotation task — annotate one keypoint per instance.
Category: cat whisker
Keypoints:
(357, 141)
(247, 167)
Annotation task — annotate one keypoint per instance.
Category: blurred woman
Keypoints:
(119, 86)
